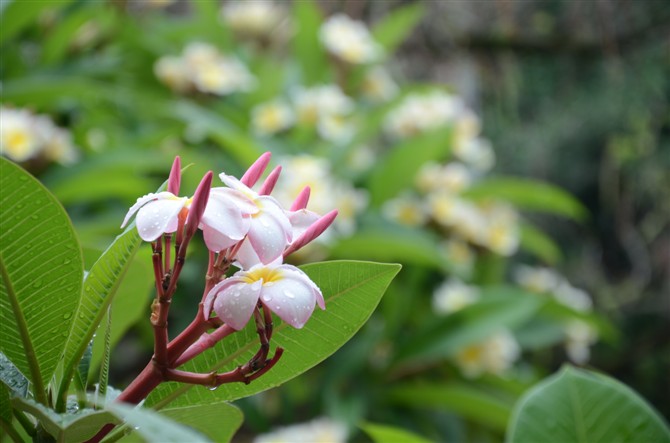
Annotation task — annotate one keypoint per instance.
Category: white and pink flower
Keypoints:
(283, 289)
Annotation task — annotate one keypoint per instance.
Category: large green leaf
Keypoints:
(65, 428)
(152, 426)
(385, 434)
(398, 169)
(498, 307)
(529, 194)
(464, 400)
(395, 27)
(218, 421)
(581, 406)
(352, 291)
(100, 286)
(42, 273)
(128, 306)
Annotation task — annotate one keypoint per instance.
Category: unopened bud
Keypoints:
(256, 170)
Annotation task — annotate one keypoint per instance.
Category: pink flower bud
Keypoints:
(256, 170)
(174, 180)
(312, 232)
(198, 204)
(270, 182)
(301, 200)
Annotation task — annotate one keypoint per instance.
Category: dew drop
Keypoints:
(34, 216)
(278, 308)
(212, 388)
(267, 298)
(67, 315)
(37, 284)
(289, 294)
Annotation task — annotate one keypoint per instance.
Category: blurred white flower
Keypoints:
(378, 86)
(494, 355)
(19, 138)
(253, 18)
(450, 178)
(202, 67)
(539, 280)
(460, 255)
(502, 234)
(173, 72)
(349, 40)
(320, 430)
(406, 209)
(24, 135)
(361, 158)
(422, 112)
(579, 336)
(477, 153)
(272, 117)
(336, 128)
(572, 297)
(312, 104)
(453, 295)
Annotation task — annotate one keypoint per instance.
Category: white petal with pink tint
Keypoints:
(223, 224)
(159, 216)
(235, 301)
(301, 220)
(291, 298)
(270, 230)
(143, 201)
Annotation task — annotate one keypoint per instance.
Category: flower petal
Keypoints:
(235, 301)
(297, 273)
(291, 298)
(223, 224)
(238, 198)
(158, 216)
(143, 201)
(270, 230)
(301, 220)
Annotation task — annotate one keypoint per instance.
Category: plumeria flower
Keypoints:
(157, 214)
(239, 211)
(283, 289)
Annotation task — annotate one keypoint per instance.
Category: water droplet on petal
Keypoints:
(267, 297)
(289, 294)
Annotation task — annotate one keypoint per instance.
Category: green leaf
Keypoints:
(128, 306)
(581, 406)
(100, 286)
(79, 426)
(398, 169)
(42, 272)
(539, 244)
(393, 29)
(352, 291)
(498, 307)
(467, 401)
(153, 426)
(5, 405)
(307, 45)
(529, 194)
(17, 15)
(387, 243)
(12, 377)
(385, 434)
(218, 421)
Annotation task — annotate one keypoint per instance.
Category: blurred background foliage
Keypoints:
(507, 153)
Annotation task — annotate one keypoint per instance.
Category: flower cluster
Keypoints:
(439, 200)
(349, 40)
(201, 67)
(579, 335)
(25, 136)
(324, 108)
(418, 113)
(251, 230)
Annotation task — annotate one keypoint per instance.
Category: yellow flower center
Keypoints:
(267, 275)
